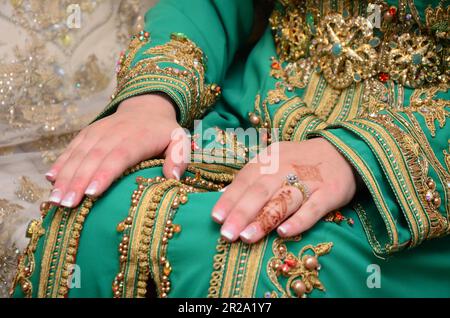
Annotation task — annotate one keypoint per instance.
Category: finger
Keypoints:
(284, 203)
(119, 159)
(316, 207)
(52, 174)
(248, 205)
(61, 193)
(80, 183)
(177, 155)
(234, 191)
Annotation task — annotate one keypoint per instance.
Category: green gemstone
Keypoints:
(345, 14)
(357, 77)
(393, 45)
(336, 49)
(374, 42)
(310, 19)
(417, 59)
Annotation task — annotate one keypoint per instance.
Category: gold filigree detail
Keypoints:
(291, 33)
(437, 21)
(422, 101)
(343, 51)
(447, 159)
(27, 264)
(411, 60)
(300, 271)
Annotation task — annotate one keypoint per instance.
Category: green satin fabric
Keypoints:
(346, 270)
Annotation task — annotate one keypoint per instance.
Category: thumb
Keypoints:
(177, 154)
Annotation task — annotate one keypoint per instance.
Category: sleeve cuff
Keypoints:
(176, 68)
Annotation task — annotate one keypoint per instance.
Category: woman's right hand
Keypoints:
(141, 128)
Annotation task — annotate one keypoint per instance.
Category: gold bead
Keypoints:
(311, 263)
(183, 199)
(120, 227)
(129, 220)
(437, 201)
(299, 287)
(431, 184)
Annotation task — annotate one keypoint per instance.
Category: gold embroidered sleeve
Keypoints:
(186, 47)
(176, 68)
(403, 156)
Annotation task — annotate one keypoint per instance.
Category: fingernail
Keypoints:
(51, 174)
(284, 229)
(55, 196)
(69, 199)
(227, 234)
(223, 189)
(176, 173)
(92, 188)
(218, 216)
(249, 233)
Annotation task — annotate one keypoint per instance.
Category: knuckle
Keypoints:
(103, 174)
(261, 189)
(78, 183)
(120, 153)
(96, 153)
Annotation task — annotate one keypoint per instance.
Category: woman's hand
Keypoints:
(255, 204)
(140, 129)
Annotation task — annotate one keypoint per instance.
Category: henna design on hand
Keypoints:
(308, 172)
(274, 211)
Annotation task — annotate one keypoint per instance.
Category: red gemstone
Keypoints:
(383, 77)
(276, 65)
(290, 262)
(393, 11)
(194, 146)
(285, 269)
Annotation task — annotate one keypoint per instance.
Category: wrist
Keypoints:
(154, 104)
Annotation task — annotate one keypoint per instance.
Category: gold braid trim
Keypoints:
(27, 263)
(215, 283)
(148, 227)
(418, 167)
(71, 248)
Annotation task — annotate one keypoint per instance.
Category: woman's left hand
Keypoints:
(254, 204)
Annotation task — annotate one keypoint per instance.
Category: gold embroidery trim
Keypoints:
(418, 167)
(300, 271)
(369, 178)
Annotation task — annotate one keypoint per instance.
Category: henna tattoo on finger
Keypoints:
(275, 211)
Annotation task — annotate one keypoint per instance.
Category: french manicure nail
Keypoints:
(69, 199)
(284, 229)
(55, 196)
(218, 216)
(176, 173)
(92, 189)
(227, 234)
(249, 233)
(51, 174)
(223, 189)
